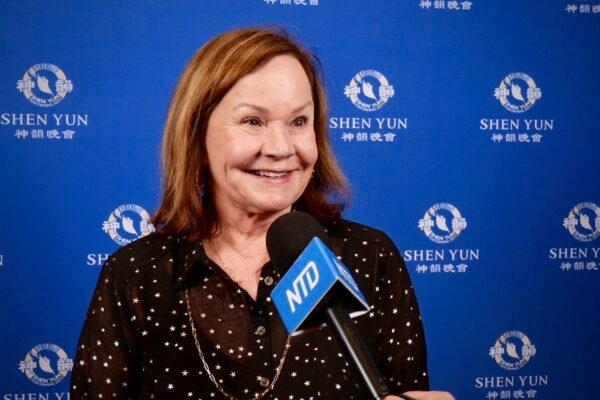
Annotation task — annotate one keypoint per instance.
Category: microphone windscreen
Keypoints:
(289, 235)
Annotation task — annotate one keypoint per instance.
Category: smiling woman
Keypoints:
(186, 312)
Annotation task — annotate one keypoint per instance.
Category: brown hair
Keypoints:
(209, 75)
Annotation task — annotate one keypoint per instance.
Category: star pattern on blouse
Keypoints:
(138, 324)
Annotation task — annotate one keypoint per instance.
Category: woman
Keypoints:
(185, 312)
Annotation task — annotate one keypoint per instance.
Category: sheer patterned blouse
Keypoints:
(137, 340)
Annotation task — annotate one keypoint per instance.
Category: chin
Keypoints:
(273, 205)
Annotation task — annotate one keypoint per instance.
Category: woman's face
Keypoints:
(260, 140)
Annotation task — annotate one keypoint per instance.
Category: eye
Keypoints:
(253, 121)
(300, 121)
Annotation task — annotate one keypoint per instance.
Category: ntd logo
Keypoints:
(308, 277)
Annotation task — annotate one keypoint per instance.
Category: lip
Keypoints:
(272, 180)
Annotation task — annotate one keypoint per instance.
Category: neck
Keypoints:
(242, 231)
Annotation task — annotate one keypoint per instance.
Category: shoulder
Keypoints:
(368, 252)
(349, 235)
(140, 252)
(352, 231)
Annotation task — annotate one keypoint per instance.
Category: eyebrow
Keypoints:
(264, 110)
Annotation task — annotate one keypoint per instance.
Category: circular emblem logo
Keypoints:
(512, 350)
(583, 222)
(44, 85)
(128, 223)
(46, 364)
(369, 90)
(435, 223)
(517, 92)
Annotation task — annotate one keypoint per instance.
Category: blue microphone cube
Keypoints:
(315, 275)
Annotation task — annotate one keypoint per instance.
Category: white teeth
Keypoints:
(270, 174)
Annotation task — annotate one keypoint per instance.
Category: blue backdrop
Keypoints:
(468, 129)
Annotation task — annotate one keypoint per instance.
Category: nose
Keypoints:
(277, 142)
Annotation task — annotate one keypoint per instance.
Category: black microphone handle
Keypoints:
(350, 340)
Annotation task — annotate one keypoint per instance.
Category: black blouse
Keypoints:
(137, 341)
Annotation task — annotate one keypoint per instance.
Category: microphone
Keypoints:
(317, 287)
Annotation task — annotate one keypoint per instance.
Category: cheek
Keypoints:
(241, 151)
(231, 151)
(307, 151)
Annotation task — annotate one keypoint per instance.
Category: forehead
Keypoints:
(281, 80)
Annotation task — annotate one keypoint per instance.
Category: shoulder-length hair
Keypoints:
(209, 75)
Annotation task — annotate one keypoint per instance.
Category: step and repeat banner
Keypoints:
(468, 130)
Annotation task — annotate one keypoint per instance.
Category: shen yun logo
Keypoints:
(128, 223)
(512, 350)
(435, 223)
(44, 85)
(583, 222)
(369, 90)
(46, 364)
(517, 92)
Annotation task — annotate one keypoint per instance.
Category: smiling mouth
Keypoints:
(270, 174)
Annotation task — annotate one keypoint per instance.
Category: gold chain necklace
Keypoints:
(207, 368)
